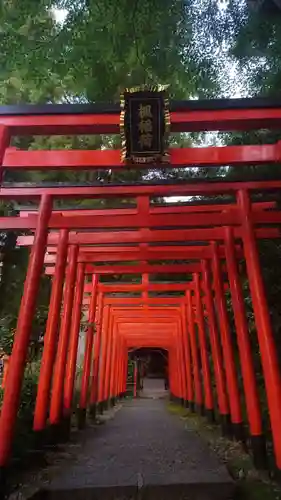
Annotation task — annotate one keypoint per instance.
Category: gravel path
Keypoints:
(143, 447)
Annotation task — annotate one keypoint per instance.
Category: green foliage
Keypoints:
(23, 435)
(258, 46)
(99, 49)
(6, 336)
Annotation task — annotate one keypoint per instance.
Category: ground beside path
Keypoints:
(144, 452)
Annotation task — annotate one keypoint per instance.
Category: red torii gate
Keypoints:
(240, 223)
(146, 269)
(142, 269)
(234, 390)
(234, 399)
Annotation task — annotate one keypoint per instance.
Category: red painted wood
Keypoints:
(268, 352)
(226, 341)
(58, 221)
(222, 396)
(17, 361)
(131, 191)
(243, 338)
(150, 236)
(202, 338)
(143, 268)
(63, 341)
(152, 287)
(137, 300)
(184, 121)
(103, 352)
(96, 351)
(119, 310)
(111, 158)
(169, 208)
(73, 341)
(106, 253)
(51, 337)
(137, 256)
(88, 346)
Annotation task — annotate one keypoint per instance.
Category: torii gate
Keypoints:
(68, 262)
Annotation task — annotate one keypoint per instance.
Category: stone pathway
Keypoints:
(144, 453)
(153, 388)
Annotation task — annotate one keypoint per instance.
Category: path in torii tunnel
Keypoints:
(143, 451)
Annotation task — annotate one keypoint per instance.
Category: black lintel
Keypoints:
(111, 108)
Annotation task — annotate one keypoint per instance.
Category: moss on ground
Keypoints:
(251, 484)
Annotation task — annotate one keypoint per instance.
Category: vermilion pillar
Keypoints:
(60, 363)
(178, 368)
(120, 369)
(171, 376)
(88, 355)
(245, 351)
(187, 359)
(216, 352)
(207, 383)
(135, 379)
(104, 332)
(227, 348)
(182, 361)
(24, 324)
(123, 369)
(73, 341)
(174, 374)
(194, 354)
(96, 356)
(182, 336)
(114, 367)
(262, 319)
(108, 362)
(51, 335)
(102, 361)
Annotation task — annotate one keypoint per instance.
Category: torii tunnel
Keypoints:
(206, 242)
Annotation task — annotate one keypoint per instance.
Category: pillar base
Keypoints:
(258, 445)
(81, 418)
(65, 428)
(100, 407)
(210, 414)
(238, 432)
(60, 432)
(113, 401)
(41, 438)
(200, 409)
(3, 481)
(186, 403)
(93, 411)
(192, 406)
(107, 404)
(55, 433)
(226, 427)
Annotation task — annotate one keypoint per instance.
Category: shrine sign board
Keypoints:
(144, 125)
